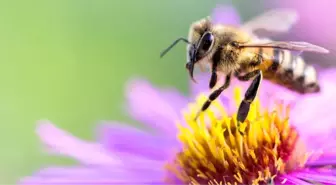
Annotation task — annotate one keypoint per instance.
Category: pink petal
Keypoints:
(313, 113)
(64, 143)
(180, 101)
(328, 75)
(326, 156)
(226, 15)
(202, 84)
(325, 141)
(95, 171)
(92, 176)
(316, 176)
(312, 14)
(67, 171)
(147, 105)
(292, 180)
(202, 87)
(118, 137)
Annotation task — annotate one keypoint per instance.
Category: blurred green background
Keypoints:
(68, 61)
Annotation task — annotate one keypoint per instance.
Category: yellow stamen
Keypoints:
(214, 152)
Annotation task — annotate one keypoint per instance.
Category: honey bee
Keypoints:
(237, 51)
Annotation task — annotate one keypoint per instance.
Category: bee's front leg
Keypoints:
(250, 95)
(213, 79)
(214, 95)
(214, 76)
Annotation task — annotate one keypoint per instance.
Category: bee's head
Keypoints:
(199, 50)
(200, 43)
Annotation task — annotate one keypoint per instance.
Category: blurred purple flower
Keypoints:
(317, 14)
(316, 24)
(225, 15)
(125, 155)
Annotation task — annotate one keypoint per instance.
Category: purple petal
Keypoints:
(72, 171)
(95, 171)
(316, 176)
(180, 101)
(226, 15)
(201, 86)
(312, 13)
(80, 181)
(321, 141)
(82, 175)
(323, 159)
(117, 137)
(126, 179)
(315, 110)
(133, 170)
(148, 106)
(328, 75)
(64, 143)
(282, 180)
(327, 171)
(292, 180)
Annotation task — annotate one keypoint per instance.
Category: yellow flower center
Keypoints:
(214, 152)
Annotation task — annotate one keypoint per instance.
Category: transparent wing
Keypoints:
(277, 20)
(271, 56)
(295, 46)
(268, 56)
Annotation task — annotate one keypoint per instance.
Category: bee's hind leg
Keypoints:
(214, 95)
(250, 95)
(247, 76)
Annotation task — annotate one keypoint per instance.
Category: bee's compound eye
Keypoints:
(206, 41)
(234, 44)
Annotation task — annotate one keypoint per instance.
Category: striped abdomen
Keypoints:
(286, 69)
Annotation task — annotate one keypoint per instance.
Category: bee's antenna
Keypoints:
(172, 45)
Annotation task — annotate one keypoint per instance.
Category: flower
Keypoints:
(319, 15)
(296, 150)
(225, 15)
(312, 13)
(292, 144)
